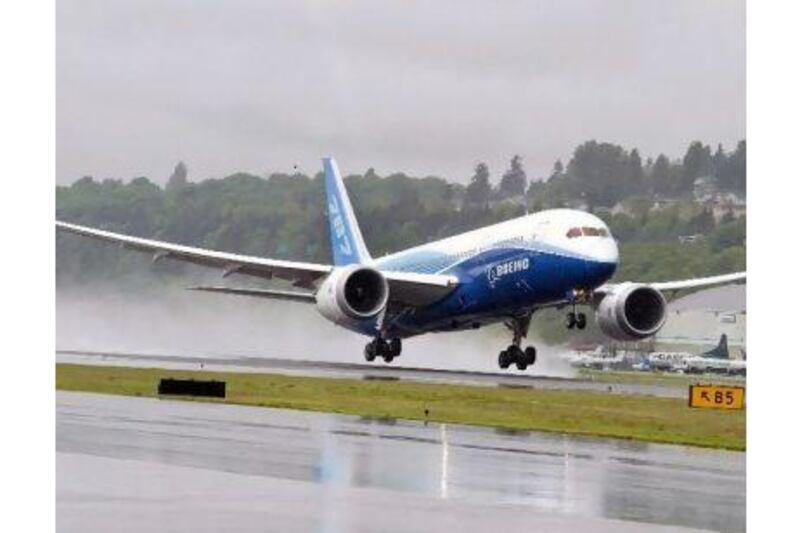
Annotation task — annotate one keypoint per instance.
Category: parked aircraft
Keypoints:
(667, 361)
(505, 272)
(717, 360)
(598, 359)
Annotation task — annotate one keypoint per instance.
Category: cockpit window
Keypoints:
(587, 232)
(595, 232)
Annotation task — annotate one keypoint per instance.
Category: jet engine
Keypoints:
(352, 294)
(631, 311)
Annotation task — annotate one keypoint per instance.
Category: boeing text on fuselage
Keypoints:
(495, 272)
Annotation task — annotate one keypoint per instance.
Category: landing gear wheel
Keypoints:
(503, 360)
(395, 347)
(518, 324)
(369, 352)
(530, 355)
(382, 350)
(517, 356)
(580, 321)
(571, 320)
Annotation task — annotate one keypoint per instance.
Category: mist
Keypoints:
(172, 321)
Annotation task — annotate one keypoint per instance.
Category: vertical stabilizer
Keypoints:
(347, 244)
(721, 350)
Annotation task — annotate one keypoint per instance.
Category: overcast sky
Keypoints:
(420, 87)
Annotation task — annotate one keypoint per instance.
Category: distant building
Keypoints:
(517, 199)
(578, 204)
(690, 239)
(725, 203)
(662, 203)
(706, 191)
(705, 188)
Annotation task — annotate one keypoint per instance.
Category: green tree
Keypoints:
(703, 222)
(718, 161)
(635, 174)
(178, 179)
(697, 162)
(599, 172)
(514, 180)
(733, 175)
(479, 189)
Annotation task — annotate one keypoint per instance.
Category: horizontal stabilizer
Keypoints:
(294, 296)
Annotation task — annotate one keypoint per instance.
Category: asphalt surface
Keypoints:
(135, 464)
(377, 370)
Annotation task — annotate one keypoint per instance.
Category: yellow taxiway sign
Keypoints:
(716, 396)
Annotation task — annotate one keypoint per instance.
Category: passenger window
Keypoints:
(574, 232)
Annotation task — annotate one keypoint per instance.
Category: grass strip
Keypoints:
(645, 418)
(662, 379)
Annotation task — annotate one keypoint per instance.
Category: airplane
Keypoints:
(598, 359)
(713, 365)
(500, 273)
(717, 360)
(720, 351)
(668, 361)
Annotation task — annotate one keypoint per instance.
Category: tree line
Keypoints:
(600, 174)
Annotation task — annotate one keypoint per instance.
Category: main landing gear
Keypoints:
(383, 348)
(514, 354)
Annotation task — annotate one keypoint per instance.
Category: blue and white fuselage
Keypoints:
(507, 269)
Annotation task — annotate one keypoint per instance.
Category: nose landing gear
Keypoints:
(514, 354)
(383, 348)
(576, 320)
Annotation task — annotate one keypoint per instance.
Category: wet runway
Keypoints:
(378, 370)
(134, 464)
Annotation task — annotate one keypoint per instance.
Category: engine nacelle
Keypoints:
(632, 311)
(353, 294)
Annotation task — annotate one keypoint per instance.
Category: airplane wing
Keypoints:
(292, 296)
(701, 283)
(672, 288)
(300, 274)
(406, 288)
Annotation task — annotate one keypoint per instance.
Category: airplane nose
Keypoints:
(612, 252)
(603, 263)
(603, 250)
(598, 272)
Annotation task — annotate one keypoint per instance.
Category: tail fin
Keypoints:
(721, 350)
(347, 244)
